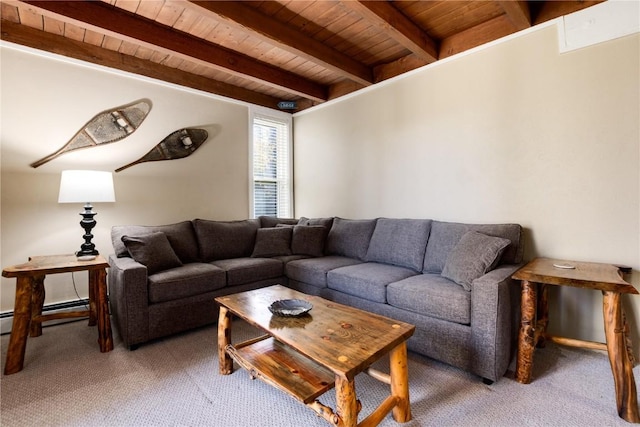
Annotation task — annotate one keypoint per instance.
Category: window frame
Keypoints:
(286, 120)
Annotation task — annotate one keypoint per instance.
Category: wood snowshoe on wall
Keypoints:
(176, 145)
(106, 127)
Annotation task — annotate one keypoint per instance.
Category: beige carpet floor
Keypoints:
(174, 382)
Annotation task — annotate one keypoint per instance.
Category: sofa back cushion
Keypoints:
(272, 221)
(152, 250)
(399, 242)
(181, 236)
(272, 242)
(308, 240)
(446, 235)
(225, 239)
(350, 237)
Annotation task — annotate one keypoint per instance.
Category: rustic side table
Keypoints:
(27, 314)
(607, 278)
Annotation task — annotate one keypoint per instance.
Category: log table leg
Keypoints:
(621, 366)
(527, 335)
(224, 339)
(20, 327)
(346, 404)
(399, 372)
(542, 315)
(93, 294)
(37, 302)
(98, 281)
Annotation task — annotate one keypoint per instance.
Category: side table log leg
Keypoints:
(346, 404)
(93, 294)
(224, 339)
(399, 371)
(614, 328)
(98, 281)
(37, 302)
(526, 336)
(542, 315)
(20, 327)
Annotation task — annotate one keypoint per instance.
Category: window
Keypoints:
(271, 166)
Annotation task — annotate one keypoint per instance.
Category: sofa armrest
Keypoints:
(129, 297)
(492, 298)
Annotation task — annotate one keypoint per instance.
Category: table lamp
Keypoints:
(83, 186)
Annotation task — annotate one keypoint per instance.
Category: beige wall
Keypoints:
(514, 132)
(46, 100)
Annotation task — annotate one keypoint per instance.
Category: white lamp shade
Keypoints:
(79, 186)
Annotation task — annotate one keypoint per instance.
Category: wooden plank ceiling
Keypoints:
(264, 52)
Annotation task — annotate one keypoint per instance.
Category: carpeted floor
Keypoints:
(175, 382)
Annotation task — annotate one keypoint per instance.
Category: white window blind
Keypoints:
(271, 167)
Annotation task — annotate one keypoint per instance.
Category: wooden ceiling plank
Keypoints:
(30, 17)
(27, 36)
(93, 38)
(113, 21)
(111, 43)
(518, 13)
(169, 13)
(53, 26)
(149, 9)
(74, 32)
(129, 5)
(391, 21)
(9, 12)
(287, 38)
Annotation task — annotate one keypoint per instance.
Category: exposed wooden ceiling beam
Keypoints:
(518, 13)
(400, 66)
(287, 38)
(552, 9)
(493, 29)
(103, 17)
(27, 36)
(390, 20)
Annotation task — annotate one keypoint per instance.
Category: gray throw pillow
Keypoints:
(473, 256)
(308, 240)
(350, 237)
(152, 250)
(272, 242)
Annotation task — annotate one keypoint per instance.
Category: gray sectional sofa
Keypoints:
(451, 280)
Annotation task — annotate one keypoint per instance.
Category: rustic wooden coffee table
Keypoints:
(307, 356)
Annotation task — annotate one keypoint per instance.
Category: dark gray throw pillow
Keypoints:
(152, 250)
(308, 240)
(473, 256)
(272, 242)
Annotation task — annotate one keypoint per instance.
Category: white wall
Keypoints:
(514, 132)
(45, 100)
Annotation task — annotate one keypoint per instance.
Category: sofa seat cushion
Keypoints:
(313, 271)
(246, 270)
(288, 258)
(185, 281)
(399, 242)
(432, 295)
(367, 280)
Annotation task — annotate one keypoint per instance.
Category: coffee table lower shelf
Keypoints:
(285, 369)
